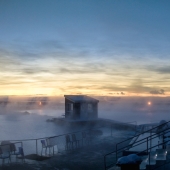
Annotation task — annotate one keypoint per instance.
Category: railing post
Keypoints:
(147, 145)
(36, 147)
(149, 160)
(116, 152)
(150, 141)
(149, 148)
(105, 162)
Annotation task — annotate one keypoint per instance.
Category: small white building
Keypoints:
(81, 107)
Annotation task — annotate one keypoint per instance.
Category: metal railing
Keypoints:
(34, 146)
(140, 153)
(124, 125)
(144, 140)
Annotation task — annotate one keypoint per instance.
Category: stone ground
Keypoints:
(90, 157)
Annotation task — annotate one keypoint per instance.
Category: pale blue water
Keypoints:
(19, 126)
(14, 125)
(140, 117)
(137, 110)
(32, 126)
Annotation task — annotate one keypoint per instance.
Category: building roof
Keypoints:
(80, 98)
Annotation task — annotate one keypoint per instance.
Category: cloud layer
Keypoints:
(111, 48)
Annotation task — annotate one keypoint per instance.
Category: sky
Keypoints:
(94, 47)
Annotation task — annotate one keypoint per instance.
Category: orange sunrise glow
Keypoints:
(105, 62)
(149, 103)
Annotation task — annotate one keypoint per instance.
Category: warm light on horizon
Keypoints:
(51, 91)
(149, 103)
(83, 92)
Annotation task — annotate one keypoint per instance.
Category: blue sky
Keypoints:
(102, 47)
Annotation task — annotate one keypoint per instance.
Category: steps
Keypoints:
(154, 159)
(145, 142)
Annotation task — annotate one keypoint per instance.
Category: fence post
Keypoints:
(36, 147)
(105, 162)
(149, 153)
(149, 160)
(116, 152)
(147, 145)
(150, 141)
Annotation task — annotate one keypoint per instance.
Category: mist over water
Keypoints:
(25, 118)
(25, 127)
(135, 109)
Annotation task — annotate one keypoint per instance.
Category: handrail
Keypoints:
(146, 150)
(56, 135)
(136, 142)
(118, 150)
(144, 132)
(152, 148)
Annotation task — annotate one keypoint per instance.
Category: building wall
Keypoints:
(88, 112)
(72, 110)
(95, 112)
(76, 111)
(82, 110)
(69, 113)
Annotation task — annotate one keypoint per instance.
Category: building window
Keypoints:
(70, 107)
(82, 107)
(90, 107)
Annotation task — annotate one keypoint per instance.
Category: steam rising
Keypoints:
(115, 108)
